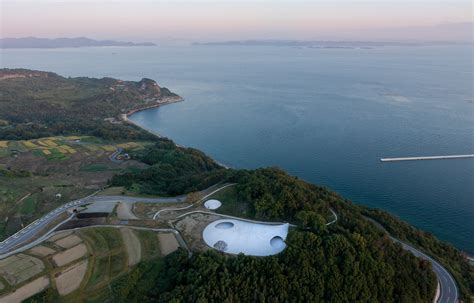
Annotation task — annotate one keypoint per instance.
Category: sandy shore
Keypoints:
(165, 101)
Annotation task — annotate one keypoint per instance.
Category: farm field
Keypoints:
(79, 262)
(40, 174)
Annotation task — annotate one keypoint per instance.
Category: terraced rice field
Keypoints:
(79, 262)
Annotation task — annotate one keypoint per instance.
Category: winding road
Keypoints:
(34, 229)
(448, 290)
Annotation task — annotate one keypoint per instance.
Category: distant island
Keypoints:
(321, 43)
(33, 42)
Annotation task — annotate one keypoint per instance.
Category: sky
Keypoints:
(195, 20)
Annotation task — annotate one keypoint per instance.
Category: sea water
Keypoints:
(324, 115)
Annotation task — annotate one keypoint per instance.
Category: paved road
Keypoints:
(33, 229)
(448, 288)
(113, 157)
(37, 226)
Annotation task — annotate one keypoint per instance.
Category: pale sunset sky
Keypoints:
(194, 20)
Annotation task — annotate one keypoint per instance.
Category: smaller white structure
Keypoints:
(252, 239)
(212, 204)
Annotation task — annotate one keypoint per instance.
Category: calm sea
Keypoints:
(325, 115)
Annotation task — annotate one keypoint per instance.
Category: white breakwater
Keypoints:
(426, 158)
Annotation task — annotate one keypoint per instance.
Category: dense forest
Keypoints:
(172, 171)
(351, 261)
(345, 262)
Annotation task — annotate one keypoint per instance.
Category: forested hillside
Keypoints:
(351, 261)
(37, 104)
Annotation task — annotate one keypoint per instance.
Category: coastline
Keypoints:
(171, 100)
(166, 101)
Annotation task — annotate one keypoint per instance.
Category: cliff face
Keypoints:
(149, 87)
(7, 73)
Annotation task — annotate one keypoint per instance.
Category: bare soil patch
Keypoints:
(124, 211)
(70, 279)
(60, 235)
(69, 241)
(19, 268)
(70, 255)
(42, 251)
(132, 246)
(191, 228)
(168, 243)
(26, 290)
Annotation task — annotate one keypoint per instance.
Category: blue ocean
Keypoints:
(324, 115)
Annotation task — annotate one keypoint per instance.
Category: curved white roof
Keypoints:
(212, 204)
(253, 239)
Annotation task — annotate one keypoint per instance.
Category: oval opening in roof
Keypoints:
(212, 204)
(224, 225)
(277, 242)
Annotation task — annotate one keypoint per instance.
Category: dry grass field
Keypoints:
(70, 278)
(133, 246)
(69, 255)
(42, 251)
(19, 268)
(168, 243)
(26, 291)
(68, 241)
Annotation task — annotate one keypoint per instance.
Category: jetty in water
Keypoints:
(426, 158)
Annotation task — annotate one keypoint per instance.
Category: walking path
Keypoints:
(157, 214)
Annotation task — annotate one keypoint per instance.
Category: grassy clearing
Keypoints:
(109, 148)
(56, 155)
(113, 191)
(150, 244)
(94, 167)
(118, 262)
(28, 206)
(113, 238)
(96, 240)
(99, 273)
(231, 205)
